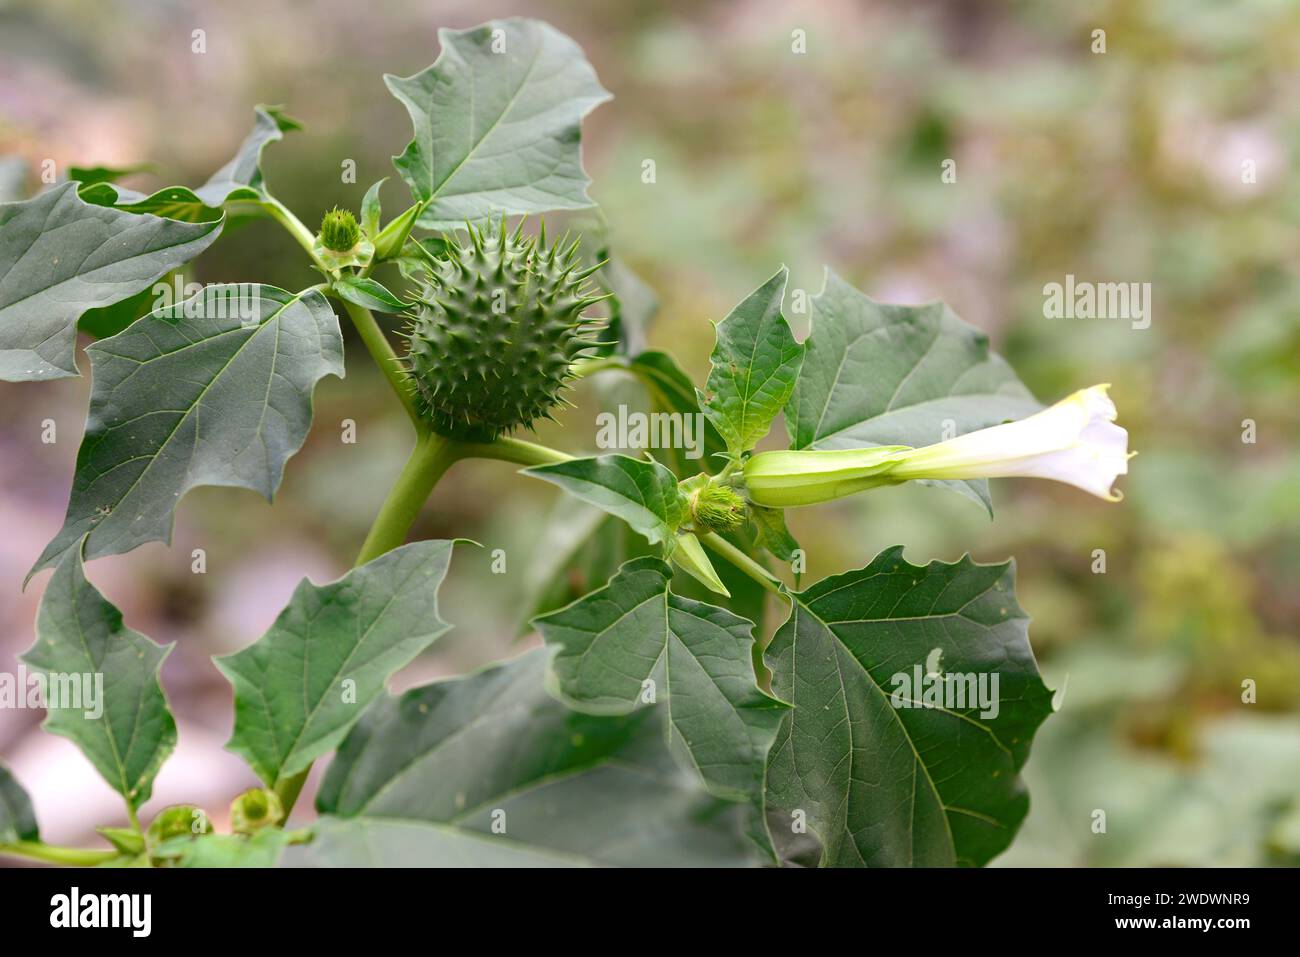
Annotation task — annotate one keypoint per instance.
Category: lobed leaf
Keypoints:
(60, 256)
(303, 684)
(80, 638)
(424, 777)
(754, 366)
(215, 390)
(876, 374)
(634, 642)
(883, 781)
(497, 122)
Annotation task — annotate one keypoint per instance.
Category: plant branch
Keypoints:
(52, 854)
(294, 226)
(506, 449)
(430, 458)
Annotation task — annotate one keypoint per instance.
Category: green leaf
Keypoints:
(641, 492)
(303, 684)
(60, 256)
(372, 210)
(771, 532)
(263, 849)
(215, 390)
(368, 294)
(172, 202)
(90, 175)
(755, 364)
(126, 731)
(883, 781)
(104, 321)
(497, 123)
(365, 842)
(634, 642)
(241, 178)
(877, 374)
(17, 819)
(425, 776)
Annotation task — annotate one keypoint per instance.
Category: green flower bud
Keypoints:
(339, 231)
(255, 809)
(716, 508)
(179, 820)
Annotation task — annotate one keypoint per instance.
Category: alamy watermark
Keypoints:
(54, 690)
(194, 300)
(1098, 300)
(928, 686)
(651, 430)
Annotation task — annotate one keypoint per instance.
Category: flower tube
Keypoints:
(1075, 441)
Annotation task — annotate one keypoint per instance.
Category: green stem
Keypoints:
(289, 789)
(381, 350)
(506, 449)
(74, 856)
(432, 456)
(294, 227)
(746, 564)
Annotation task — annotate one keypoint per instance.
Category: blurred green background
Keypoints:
(1117, 166)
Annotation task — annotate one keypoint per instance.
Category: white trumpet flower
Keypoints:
(1076, 441)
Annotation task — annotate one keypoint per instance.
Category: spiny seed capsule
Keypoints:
(494, 330)
(339, 230)
(716, 508)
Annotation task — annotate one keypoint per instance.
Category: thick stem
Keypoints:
(431, 457)
(294, 227)
(74, 856)
(381, 350)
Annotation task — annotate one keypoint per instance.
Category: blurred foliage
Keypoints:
(1116, 166)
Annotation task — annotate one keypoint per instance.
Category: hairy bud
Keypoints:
(716, 508)
(339, 231)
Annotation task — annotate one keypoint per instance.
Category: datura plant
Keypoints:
(663, 720)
